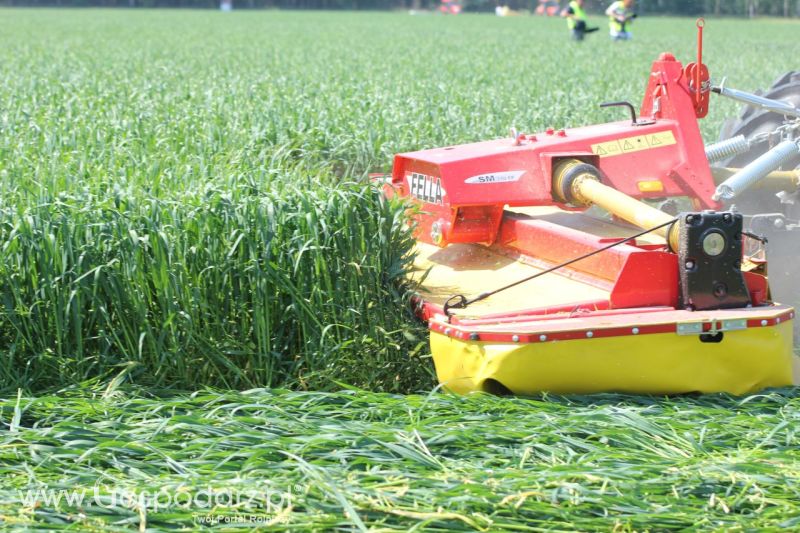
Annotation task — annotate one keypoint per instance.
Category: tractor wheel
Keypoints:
(753, 121)
(784, 238)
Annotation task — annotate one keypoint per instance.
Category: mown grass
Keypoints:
(356, 460)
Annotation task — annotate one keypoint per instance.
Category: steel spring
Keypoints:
(727, 148)
(755, 171)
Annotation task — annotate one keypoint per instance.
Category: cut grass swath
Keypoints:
(354, 460)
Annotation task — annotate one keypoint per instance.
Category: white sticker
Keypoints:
(496, 177)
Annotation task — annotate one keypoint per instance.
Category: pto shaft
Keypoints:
(578, 183)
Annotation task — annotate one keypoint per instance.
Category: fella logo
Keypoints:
(426, 188)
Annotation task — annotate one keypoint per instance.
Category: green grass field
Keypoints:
(184, 206)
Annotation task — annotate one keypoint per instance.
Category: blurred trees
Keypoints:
(739, 8)
(781, 8)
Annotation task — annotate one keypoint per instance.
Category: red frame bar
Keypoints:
(464, 330)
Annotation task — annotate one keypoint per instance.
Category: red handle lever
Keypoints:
(698, 93)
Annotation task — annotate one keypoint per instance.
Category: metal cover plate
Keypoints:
(696, 328)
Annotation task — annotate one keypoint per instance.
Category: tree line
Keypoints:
(741, 8)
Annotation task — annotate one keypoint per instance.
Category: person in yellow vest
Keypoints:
(620, 17)
(576, 20)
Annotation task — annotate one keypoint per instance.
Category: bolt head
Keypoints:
(436, 232)
(714, 243)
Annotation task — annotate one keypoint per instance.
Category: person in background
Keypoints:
(620, 17)
(576, 20)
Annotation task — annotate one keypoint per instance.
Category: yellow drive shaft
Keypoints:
(578, 183)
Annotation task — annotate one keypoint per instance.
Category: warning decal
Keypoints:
(634, 144)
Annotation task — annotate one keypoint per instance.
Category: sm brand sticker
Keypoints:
(426, 188)
(496, 177)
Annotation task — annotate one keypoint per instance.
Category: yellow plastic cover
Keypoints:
(663, 363)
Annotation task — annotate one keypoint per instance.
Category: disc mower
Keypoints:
(611, 257)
